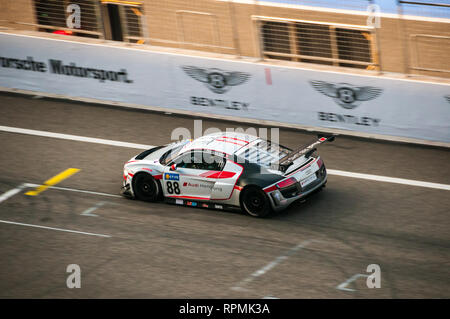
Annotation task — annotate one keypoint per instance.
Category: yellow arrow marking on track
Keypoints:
(53, 181)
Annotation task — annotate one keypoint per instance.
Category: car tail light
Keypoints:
(287, 182)
(319, 162)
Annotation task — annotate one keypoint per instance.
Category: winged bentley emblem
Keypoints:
(346, 95)
(216, 80)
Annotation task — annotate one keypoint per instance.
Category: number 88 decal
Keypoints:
(171, 188)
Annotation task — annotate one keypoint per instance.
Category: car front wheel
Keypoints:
(146, 188)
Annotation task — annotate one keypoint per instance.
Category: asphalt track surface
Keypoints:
(157, 250)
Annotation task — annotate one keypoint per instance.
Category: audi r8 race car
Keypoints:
(226, 170)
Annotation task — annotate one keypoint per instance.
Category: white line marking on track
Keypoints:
(272, 264)
(395, 180)
(52, 228)
(89, 211)
(343, 286)
(74, 190)
(377, 178)
(74, 137)
(12, 192)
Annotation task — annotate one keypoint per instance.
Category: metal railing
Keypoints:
(317, 42)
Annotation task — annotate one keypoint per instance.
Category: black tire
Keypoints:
(255, 202)
(146, 188)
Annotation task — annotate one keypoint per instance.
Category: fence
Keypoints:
(412, 37)
(426, 49)
(317, 42)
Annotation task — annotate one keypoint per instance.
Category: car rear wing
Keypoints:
(306, 150)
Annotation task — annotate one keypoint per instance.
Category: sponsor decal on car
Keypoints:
(218, 206)
(186, 184)
(172, 177)
(207, 186)
(179, 201)
(191, 203)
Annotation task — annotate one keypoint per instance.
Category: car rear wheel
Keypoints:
(255, 202)
(146, 188)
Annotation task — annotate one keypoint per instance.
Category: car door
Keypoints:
(192, 177)
(226, 180)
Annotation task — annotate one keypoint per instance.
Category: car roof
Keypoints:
(225, 142)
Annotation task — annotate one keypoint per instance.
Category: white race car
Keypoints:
(226, 170)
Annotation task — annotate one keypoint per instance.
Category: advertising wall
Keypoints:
(368, 104)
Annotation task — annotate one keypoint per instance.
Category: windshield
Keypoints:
(173, 152)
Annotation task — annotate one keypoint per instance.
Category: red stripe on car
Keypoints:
(236, 139)
(188, 197)
(218, 174)
(240, 144)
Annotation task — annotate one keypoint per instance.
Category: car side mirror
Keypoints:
(173, 167)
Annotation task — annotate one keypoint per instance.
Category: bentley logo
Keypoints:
(346, 95)
(216, 80)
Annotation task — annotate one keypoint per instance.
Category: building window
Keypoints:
(276, 40)
(51, 16)
(319, 43)
(313, 40)
(353, 45)
(123, 20)
(50, 13)
(133, 17)
(110, 19)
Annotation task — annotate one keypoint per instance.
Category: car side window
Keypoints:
(184, 160)
(210, 162)
(201, 160)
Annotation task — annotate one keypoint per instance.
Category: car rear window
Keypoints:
(264, 152)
